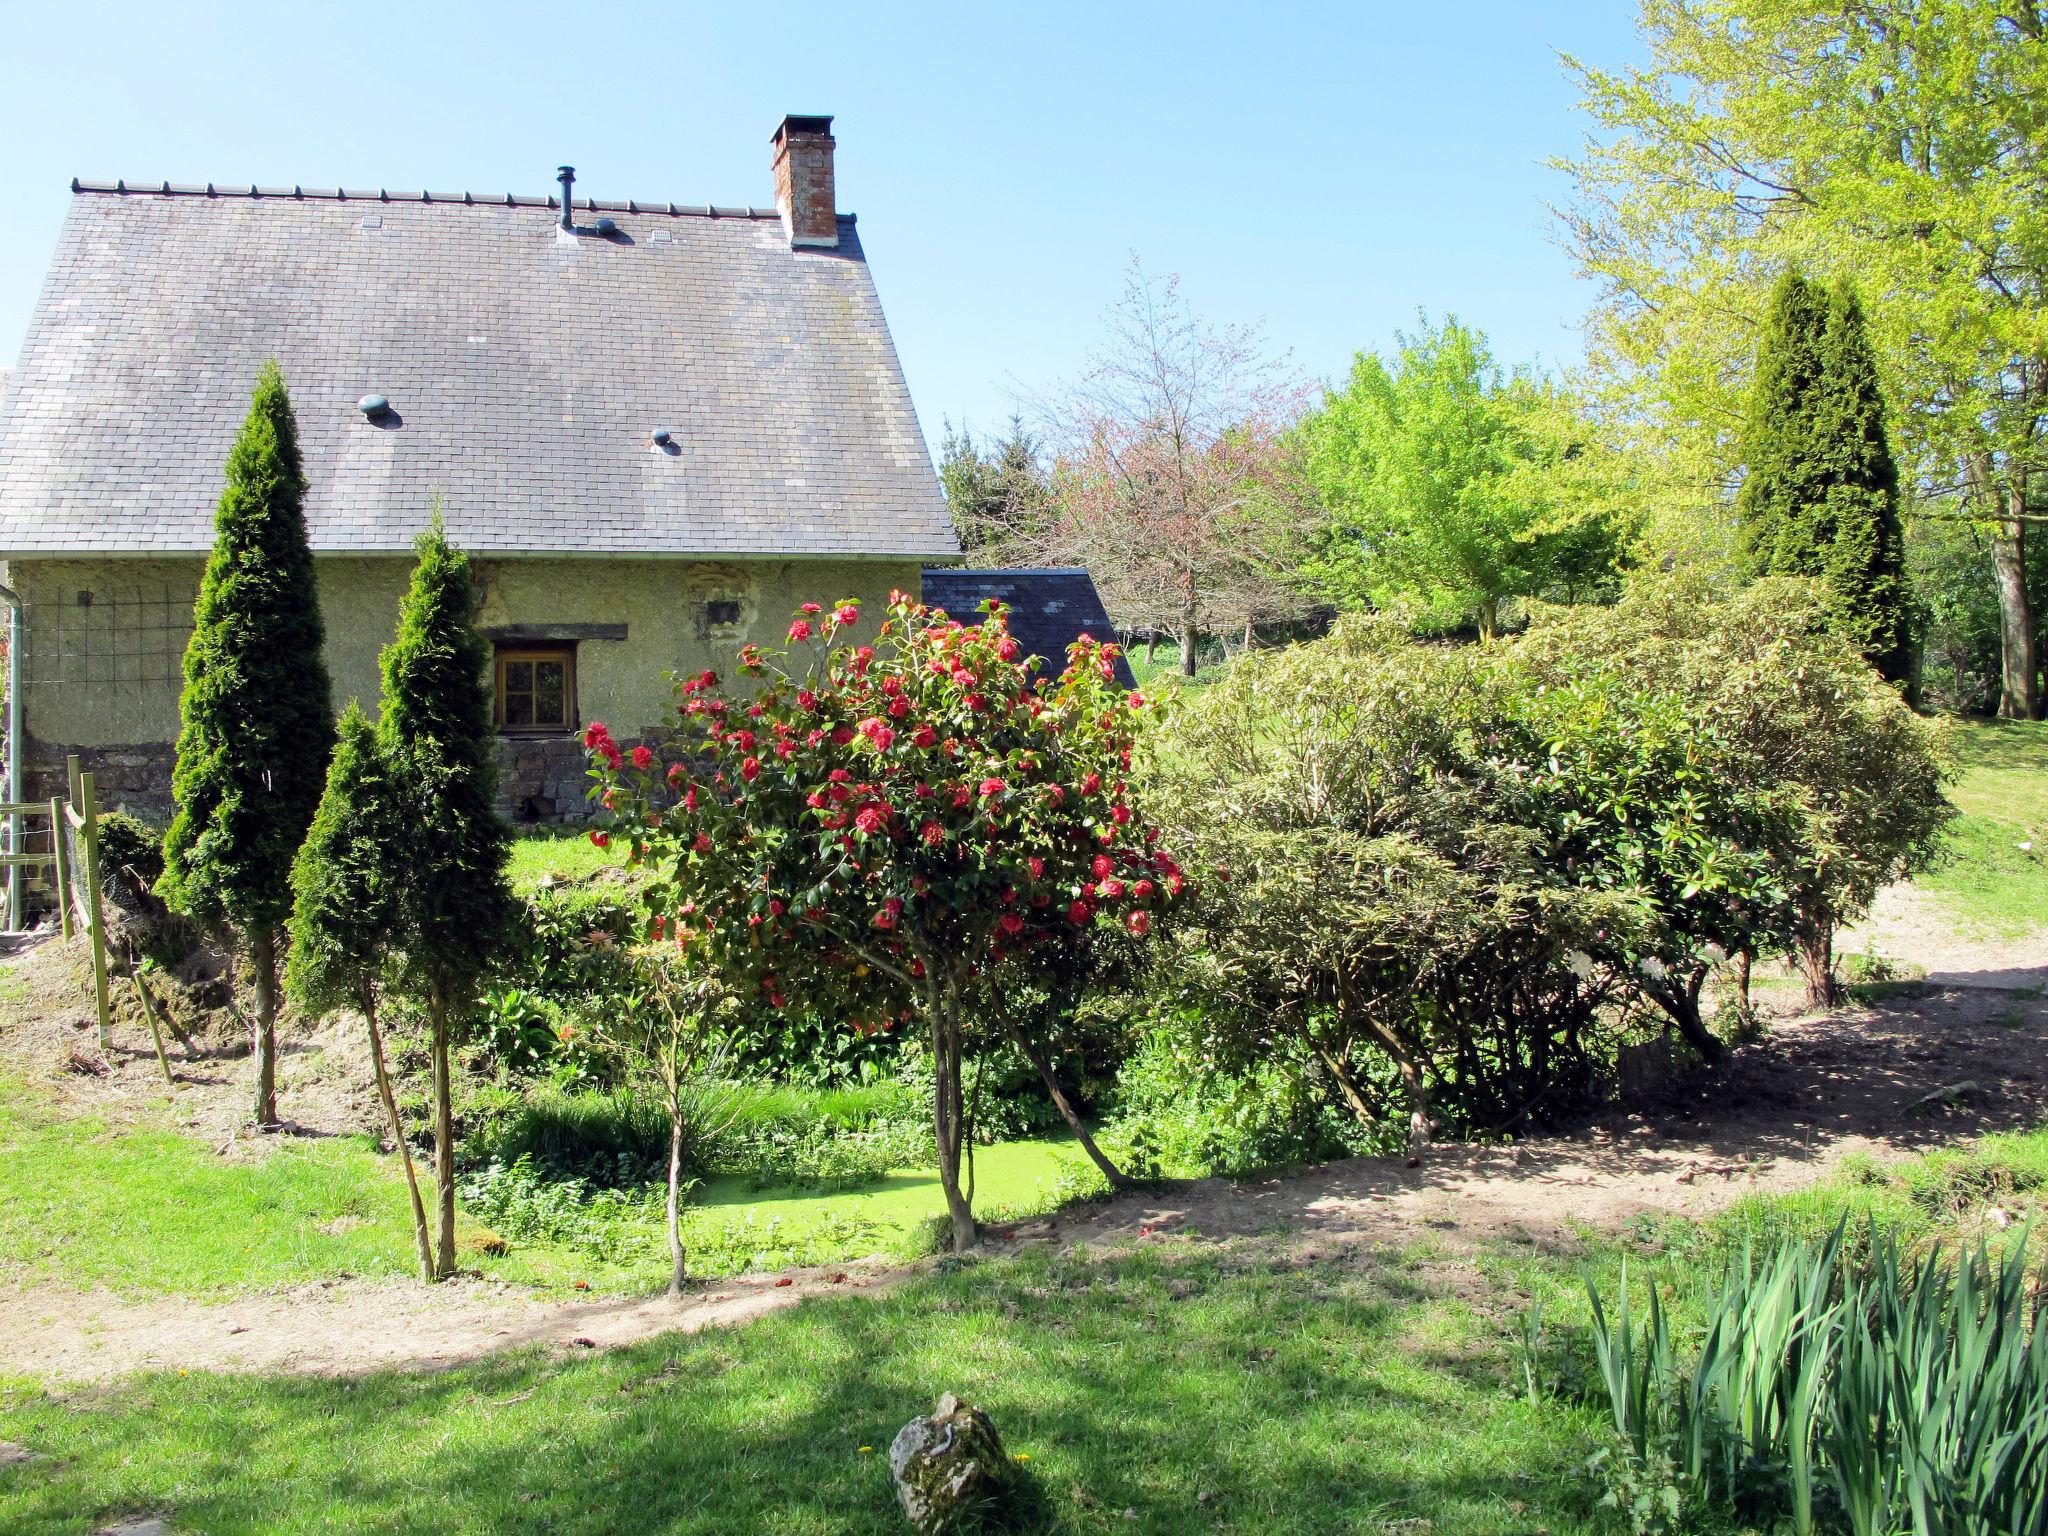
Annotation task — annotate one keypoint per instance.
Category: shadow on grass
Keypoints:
(1256, 1402)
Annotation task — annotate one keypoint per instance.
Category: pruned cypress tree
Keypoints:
(346, 911)
(435, 731)
(1820, 495)
(1860, 545)
(256, 717)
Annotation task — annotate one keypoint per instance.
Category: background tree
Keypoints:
(256, 721)
(345, 913)
(1447, 481)
(1000, 496)
(1898, 143)
(895, 832)
(434, 732)
(1820, 491)
(1170, 450)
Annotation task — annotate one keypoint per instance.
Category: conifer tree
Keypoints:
(256, 719)
(435, 732)
(1820, 498)
(346, 909)
(1862, 546)
(1783, 473)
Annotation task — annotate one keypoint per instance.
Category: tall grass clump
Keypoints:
(1887, 1396)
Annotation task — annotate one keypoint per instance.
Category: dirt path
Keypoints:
(1779, 1116)
(1908, 923)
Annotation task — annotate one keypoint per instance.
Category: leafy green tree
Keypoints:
(1897, 142)
(1444, 481)
(1820, 498)
(346, 886)
(455, 911)
(256, 719)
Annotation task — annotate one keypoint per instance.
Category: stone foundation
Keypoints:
(135, 779)
(542, 779)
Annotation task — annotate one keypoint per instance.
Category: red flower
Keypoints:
(1101, 866)
(1112, 889)
(1090, 783)
(593, 733)
(805, 699)
(744, 740)
(1010, 923)
(703, 843)
(1136, 701)
(842, 735)
(847, 613)
(775, 907)
(1143, 890)
(870, 819)
(750, 769)
(932, 833)
(643, 758)
(898, 706)
(924, 736)
(1139, 923)
(800, 630)
(891, 686)
(675, 775)
(810, 608)
(1119, 814)
(991, 788)
(1037, 867)
(1008, 649)
(601, 839)
(1079, 912)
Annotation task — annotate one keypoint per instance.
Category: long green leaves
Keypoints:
(1874, 1400)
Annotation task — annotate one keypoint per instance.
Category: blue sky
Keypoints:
(1325, 170)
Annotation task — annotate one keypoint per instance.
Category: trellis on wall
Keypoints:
(120, 637)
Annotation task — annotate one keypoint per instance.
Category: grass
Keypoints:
(1165, 1392)
(147, 1211)
(556, 853)
(1995, 874)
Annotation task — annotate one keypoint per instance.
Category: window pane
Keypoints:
(547, 675)
(518, 708)
(547, 704)
(519, 677)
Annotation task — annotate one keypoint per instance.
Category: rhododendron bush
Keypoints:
(893, 821)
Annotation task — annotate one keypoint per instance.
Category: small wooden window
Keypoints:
(536, 689)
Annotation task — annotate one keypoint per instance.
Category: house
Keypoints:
(1050, 609)
(656, 428)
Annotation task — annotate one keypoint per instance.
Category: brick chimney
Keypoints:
(803, 181)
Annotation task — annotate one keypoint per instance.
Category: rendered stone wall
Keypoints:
(82, 694)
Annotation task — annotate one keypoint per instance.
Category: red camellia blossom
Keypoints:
(842, 735)
(846, 613)
(1079, 912)
(1008, 648)
(1101, 866)
(1140, 923)
(1010, 924)
(601, 839)
(932, 833)
(806, 700)
(643, 758)
(1090, 782)
(811, 608)
(871, 819)
(924, 736)
(800, 630)
(750, 769)
(1037, 867)
(991, 788)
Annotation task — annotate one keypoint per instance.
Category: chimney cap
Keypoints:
(797, 122)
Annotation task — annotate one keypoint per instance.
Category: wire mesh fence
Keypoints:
(128, 636)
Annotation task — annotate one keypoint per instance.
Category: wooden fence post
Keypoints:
(60, 850)
(95, 919)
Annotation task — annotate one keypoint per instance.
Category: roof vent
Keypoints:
(373, 406)
(566, 175)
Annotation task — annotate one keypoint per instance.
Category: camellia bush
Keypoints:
(896, 829)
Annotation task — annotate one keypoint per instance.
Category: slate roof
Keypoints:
(1050, 608)
(525, 369)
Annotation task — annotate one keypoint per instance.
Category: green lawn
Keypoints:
(150, 1211)
(1996, 874)
(1178, 1388)
(558, 853)
(1318, 1400)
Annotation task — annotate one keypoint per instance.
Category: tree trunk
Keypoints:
(1189, 635)
(1347, 1087)
(1187, 650)
(2019, 693)
(1742, 969)
(412, 1183)
(444, 1136)
(1817, 964)
(1151, 646)
(675, 1195)
(1417, 1088)
(1118, 1179)
(949, 1111)
(263, 961)
(1683, 1005)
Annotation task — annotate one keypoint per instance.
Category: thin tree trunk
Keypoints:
(1187, 650)
(412, 1182)
(444, 1136)
(1817, 964)
(675, 1193)
(1118, 1179)
(948, 1112)
(1417, 1088)
(1742, 968)
(156, 1033)
(1683, 1005)
(1347, 1086)
(263, 961)
(1151, 646)
(2019, 692)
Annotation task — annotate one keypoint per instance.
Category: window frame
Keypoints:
(508, 651)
